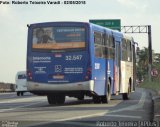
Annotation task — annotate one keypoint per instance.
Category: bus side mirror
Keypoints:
(28, 25)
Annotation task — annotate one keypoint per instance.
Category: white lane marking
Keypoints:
(131, 108)
(10, 109)
(32, 100)
(124, 116)
(12, 96)
(22, 99)
(8, 93)
(80, 117)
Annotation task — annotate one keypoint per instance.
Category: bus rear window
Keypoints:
(58, 38)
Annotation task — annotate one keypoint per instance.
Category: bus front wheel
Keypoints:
(125, 96)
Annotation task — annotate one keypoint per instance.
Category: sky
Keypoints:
(14, 20)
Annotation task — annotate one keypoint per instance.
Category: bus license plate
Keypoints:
(58, 76)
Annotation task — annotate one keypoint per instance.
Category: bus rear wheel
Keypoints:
(80, 98)
(96, 99)
(56, 99)
(107, 97)
(51, 99)
(125, 96)
(60, 99)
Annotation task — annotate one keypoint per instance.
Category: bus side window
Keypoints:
(112, 46)
(129, 51)
(124, 49)
(22, 76)
(106, 43)
(98, 38)
(98, 51)
(98, 43)
(109, 47)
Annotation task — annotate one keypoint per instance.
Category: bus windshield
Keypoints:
(58, 38)
(22, 76)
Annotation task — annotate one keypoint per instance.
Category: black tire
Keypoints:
(125, 96)
(80, 98)
(18, 93)
(51, 99)
(21, 93)
(60, 99)
(97, 99)
(107, 97)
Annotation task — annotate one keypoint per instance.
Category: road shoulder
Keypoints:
(156, 104)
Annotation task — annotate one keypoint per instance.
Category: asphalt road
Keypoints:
(35, 111)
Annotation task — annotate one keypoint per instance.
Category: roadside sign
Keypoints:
(154, 72)
(114, 24)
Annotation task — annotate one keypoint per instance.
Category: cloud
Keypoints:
(127, 2)
(5, 9)
(135, 5)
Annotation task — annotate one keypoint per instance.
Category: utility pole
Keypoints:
(142, 29)
(150, 51)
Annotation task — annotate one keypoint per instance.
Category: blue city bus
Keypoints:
(78, 59)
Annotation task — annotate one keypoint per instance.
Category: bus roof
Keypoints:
(101, 27)
(21, 72)
(58, 23)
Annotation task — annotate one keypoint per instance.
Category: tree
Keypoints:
(142, 64)
(143, 60)
(156, 65)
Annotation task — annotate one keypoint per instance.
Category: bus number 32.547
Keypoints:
(73, 57)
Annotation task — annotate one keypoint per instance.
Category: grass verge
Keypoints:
(150, 85)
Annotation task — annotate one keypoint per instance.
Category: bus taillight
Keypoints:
(89, 70)
(88, 75)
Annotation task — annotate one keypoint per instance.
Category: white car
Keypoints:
(21, 83)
